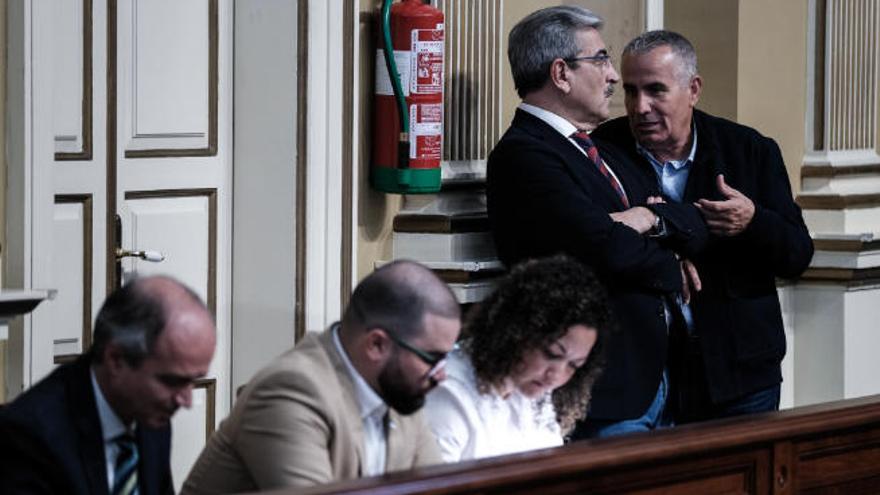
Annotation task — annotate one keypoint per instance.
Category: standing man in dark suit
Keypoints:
(100, 425)
(550, 190)
(737, 179)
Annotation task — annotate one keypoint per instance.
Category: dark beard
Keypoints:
(395, 392)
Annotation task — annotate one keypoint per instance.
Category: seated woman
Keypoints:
(522, 374)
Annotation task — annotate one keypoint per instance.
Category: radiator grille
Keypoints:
(473, 71)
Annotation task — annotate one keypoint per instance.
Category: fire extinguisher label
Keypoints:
(383, 82)
(426, 130)
(427, 61)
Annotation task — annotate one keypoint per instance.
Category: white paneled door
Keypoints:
(140, 159)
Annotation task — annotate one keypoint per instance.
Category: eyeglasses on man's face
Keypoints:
(601, 60)
(436, 360)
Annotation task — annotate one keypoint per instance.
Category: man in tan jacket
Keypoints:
(341, 404)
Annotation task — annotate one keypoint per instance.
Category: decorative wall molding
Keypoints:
(838, 201)
(86, 202)
(144, 150)
(85, 152)
(211, 195)
(844, 57)
(828, 171)
(210, 387)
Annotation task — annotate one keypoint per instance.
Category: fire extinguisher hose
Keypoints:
(394, 75)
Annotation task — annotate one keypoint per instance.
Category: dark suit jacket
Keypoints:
(737, 314)
(544, 198)
(52, 441)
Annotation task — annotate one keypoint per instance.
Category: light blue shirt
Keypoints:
(672, 178)
(111, 428)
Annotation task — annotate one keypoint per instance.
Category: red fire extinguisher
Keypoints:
(408, 109)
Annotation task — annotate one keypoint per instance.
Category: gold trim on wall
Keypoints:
(210, 386)
(348, 116)
(213, 95)
(86, 201)
(86, 153)
(211, 194)
(302, 64)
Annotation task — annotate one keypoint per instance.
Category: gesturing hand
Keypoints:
(730, 216)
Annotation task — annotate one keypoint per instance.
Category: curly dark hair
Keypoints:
(534, 305)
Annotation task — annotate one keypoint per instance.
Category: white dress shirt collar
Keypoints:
(373, 414)
(368, 400)
(561, 125)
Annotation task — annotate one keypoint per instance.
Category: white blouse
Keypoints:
(471, 425)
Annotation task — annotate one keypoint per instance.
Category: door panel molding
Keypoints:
(86, 203)
(211, 195)
(301, 208)
(176, 143)
(85, 152)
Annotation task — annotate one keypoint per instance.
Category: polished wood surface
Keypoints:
(827, 448)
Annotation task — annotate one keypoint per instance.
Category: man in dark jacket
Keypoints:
(100, 425)
(551, 190)
(730, 361)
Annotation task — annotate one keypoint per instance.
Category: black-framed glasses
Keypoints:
(602, 59)
(436, 360)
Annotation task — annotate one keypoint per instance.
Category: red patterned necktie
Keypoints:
(583, 140)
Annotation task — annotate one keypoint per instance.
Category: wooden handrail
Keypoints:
(832, 445)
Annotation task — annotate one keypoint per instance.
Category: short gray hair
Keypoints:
(679, 45)
(542, 37)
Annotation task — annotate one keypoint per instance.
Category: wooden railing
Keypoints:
(827, 448)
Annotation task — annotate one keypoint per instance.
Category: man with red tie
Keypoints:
(551, 189)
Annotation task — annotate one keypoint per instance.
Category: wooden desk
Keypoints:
(827, 448)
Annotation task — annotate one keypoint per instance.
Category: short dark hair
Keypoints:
(397, 296)
(535, 305)
(680, 46)
(132, 318)
(542, 37)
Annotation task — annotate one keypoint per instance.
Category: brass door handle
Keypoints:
(154, 256)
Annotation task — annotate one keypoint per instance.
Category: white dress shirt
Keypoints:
(373, 414)
(472, 425)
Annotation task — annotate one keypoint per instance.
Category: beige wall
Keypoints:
(711, 25)
(753, 58)
(772, 83)
(375, 210)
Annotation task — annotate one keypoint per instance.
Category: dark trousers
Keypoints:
(689, 392)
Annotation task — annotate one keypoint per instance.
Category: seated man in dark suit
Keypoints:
(100, 425)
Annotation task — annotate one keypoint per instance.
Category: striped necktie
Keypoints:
(583, 140)
(125, 475)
